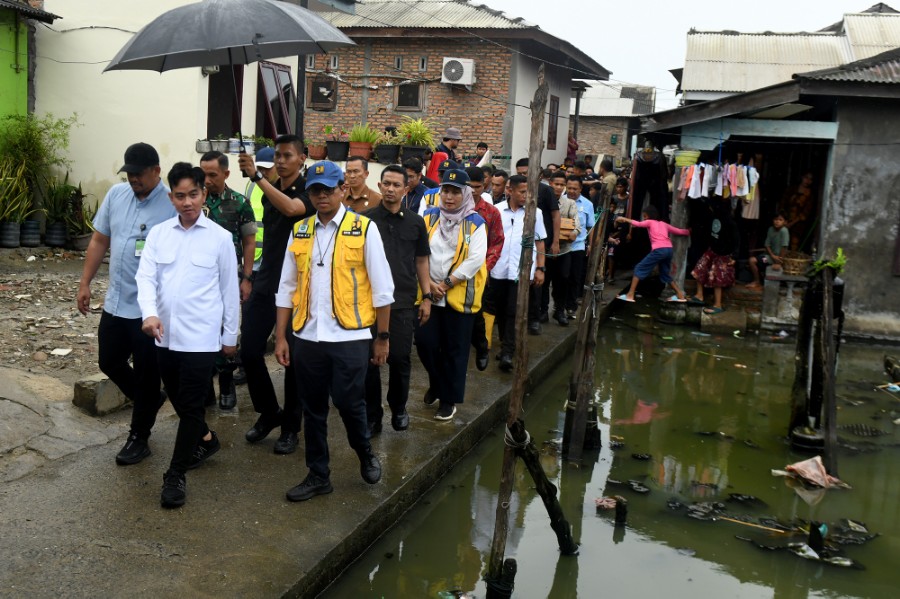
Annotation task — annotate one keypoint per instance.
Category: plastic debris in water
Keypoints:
(782, 334)
(700, 334)
(893, 387)
(686, 551)
(641, 456)
(643, 316)
(605, 503)
(638, 487)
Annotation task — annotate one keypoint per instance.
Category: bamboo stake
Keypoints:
(799, 395)
(760, 526)
(520, 366)
(828, 363)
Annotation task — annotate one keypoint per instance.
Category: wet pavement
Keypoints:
(74, 524)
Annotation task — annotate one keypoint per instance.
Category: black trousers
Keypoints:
(186, 377)
(544, 290)
(337, 370)
(122, 338)
(576, 281)
(562, 275)
(501, 302)
(480, 333)
(399, 363)
(257, 323)
(443, 347)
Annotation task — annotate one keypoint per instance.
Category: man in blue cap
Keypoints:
(335, 285)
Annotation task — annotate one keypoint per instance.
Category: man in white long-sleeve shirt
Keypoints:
(188, 294)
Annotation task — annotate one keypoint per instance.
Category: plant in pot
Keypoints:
(336, 143)
(387, 147)
(15, 203)
(202, 146)
(315, 150)
(263, 142)
(418, 136)
(219, 143)
(57, 202)
(362, 137)
(80, 220)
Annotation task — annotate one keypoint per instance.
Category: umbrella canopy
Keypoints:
(219, 32)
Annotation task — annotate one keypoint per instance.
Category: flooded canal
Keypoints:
(658, 389)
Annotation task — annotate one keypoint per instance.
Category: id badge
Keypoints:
(138, 247)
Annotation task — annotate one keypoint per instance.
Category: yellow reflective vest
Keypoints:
(351, 290)
(465, 296)
(254, 193)
(431, 199)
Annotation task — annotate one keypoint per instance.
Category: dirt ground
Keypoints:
(38, 313)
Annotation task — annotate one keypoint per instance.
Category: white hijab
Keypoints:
(450, 220)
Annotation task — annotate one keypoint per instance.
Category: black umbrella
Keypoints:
(220, 32)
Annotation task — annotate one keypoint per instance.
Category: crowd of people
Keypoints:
(349, 279)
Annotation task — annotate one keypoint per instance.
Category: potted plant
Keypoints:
(316, 150)
(336, 143)
(387, 147)
(362, 137)
(15, 202)
(57, 202)
(80, 220)
(202, 146)
(418, 135)
(263, 142)
(219, 143)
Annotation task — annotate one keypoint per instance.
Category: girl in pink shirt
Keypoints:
(660, 254)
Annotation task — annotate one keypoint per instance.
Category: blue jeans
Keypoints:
(661, 257)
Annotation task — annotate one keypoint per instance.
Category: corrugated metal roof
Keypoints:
(882, 68)
(734, 62)
(425, 14)
(871, 34)
(29, 12)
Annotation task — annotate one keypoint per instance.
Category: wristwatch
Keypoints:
(428, 296)
(384, 335)
(448, 282)
(541, 268)
(256, 177)
(249, 277)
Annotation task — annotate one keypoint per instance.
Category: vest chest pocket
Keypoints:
(352, 250)
(301, 248)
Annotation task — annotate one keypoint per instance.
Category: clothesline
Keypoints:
(725, 180)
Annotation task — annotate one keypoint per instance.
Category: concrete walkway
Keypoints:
(74, 524)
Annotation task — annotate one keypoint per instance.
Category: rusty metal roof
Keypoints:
(882, 68)
(425, 14)
(29, 12)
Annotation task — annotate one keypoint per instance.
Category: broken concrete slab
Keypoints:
(98, 395)
(18, 463)
(18, 424)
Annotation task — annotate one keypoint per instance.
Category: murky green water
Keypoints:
(658, 394)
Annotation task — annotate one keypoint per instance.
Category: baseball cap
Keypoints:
(452, 133)
(265, 157)
(324, 173)
(455, 177)
(447, 165)
(138, 157)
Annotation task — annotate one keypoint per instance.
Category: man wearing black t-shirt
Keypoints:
(284, 203)
(549, 205)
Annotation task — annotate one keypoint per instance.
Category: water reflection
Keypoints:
(711, 413)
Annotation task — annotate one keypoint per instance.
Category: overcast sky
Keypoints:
(640, 40)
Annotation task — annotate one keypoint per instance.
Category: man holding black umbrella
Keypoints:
(284, 203)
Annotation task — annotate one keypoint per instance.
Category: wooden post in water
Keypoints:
(520, 365)
(799, 396)
(828, 358)
(581, 383)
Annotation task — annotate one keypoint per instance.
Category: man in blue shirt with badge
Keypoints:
(121, 225)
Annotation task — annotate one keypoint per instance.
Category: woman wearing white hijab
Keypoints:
(458, 272)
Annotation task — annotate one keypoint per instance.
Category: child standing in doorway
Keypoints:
(660, 253)
(716, 267)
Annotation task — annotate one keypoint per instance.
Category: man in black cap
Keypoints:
(121, 225)
(451, 140)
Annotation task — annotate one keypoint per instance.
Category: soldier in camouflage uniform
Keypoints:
(231, 211)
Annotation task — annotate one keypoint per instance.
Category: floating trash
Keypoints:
(641, 456)
(717, 434)
(862, 430)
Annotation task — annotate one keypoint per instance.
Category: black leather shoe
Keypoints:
(374, 426)
(369, 466)
(534, 327)
(204, 450)
(481, 358)
(134, 450)
(286, 443)
(561, 318)
(400, 421)
(311, 486)
(506, 363)
(429, 398)
(174, 490)
(228, 398)
(263, 426)
(545, 317)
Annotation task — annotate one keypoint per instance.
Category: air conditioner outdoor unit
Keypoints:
(458, 71)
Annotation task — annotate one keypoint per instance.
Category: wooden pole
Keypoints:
(828, 368)
(799, 397)
(520, 365)
(581, 383)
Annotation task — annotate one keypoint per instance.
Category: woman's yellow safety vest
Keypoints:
(351, 290)
(465, 296)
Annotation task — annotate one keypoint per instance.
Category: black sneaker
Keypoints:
(286, 443)
(204, 450)
(506, 363)
(445, 412)
(429, 398)
(264, 425)
(311, 486)
(561, 318)
(534, 327)
(174, 490)
(571, 314)
(134, 450)
(369, 466)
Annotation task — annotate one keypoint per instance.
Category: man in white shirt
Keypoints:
(500, 299)
(188, 293)
(335, 284)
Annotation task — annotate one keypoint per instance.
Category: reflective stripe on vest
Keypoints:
(432, 198)
(351, 290)
(465, 296)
